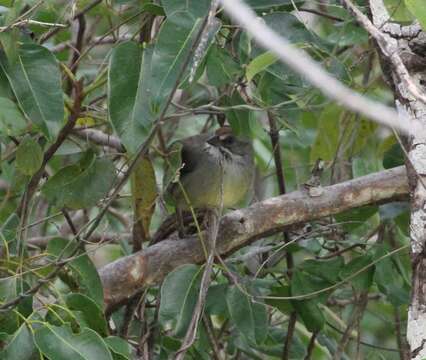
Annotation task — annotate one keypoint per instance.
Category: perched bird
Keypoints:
(217, 170)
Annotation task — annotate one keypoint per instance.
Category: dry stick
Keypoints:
(301, 63)
(275, 141)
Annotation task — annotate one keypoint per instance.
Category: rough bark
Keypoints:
(410, 43)
(124, 277)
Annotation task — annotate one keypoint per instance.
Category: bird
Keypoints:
(217, 171)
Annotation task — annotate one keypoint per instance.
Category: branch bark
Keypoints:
(124, 277)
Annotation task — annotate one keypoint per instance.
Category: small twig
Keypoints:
(211, 336)
(276, 148)
(77, 48)
(311, 346)
(355, 317)
(100, 138)
(204, 286)
(320, 13)
(31, 22)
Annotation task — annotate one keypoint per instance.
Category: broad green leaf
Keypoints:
(179, 294)
(193, 8)
(10, 289)
(118, 346)
(216, 300)
(82, 269)
(389, 280)
(259, 64)
(250, 317)
(325, 269)
(12, 122)
(92, 313)
(221, 68)
(393, 157)
(35, 80)
(29, 156)
(144, 193)
(303, 283)
(128, 93)
(20, 346)
(418, 9)
(175, 39)
(282, 305)
(311, 314)
(60, 343)
(81, 185)
(364, 280)
(308, 309)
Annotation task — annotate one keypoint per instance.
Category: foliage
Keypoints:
(113, 71)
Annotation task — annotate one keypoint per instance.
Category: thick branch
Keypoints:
(124, 277)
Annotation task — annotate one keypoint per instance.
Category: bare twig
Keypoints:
(100, 138)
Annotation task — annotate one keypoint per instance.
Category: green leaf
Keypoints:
(29, 156)
(249, 317)
(193, 8)
(221, 67)
(325, 269)
(118, 346)
(35, 80)
(216, 300)
(179, 294)
(12, 122)
(282, 305)
(60, 343)
(308, 310)
(311, 314)
(10, 288)
(364, 280)
(21, 346)
(418, 9)
(175, 39)
(128, 93)
(82, 268)
(393, 157)
(92, 313)
(389, 280)
(259, 64)
(81, 185)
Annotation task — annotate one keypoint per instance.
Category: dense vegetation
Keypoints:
(92, 94)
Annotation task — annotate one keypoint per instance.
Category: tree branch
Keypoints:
(124, 277)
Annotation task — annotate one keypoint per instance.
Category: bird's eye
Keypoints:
(229, 140)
